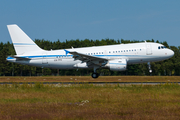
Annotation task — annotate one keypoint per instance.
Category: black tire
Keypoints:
(95, 75)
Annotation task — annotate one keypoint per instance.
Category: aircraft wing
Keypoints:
(90, 60)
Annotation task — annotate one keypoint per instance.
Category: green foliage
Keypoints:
(167, 67)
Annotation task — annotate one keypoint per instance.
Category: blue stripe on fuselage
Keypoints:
(47, 56)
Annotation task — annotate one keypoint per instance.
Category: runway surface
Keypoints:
(95, 83)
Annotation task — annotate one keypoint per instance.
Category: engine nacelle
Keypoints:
(80, 65)
(117, 65)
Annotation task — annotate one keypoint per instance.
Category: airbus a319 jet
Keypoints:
(113, 57)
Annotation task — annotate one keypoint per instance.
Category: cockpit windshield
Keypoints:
(161, 47)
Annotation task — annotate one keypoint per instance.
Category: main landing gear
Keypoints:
(95, 74)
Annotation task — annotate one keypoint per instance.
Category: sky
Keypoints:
(93, 19)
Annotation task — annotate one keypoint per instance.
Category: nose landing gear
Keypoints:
(149, 66)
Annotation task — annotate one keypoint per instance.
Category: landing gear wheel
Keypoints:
(149, 66)
(150, 70)
(95, 75)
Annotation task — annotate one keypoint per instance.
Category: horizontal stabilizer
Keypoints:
(20, 58)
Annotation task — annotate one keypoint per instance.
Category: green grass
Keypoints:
(89, 101)
(90, 79)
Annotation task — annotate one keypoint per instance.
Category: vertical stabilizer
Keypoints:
(22, 43)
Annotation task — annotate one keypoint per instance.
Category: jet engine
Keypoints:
(81, 65)
(117, 65)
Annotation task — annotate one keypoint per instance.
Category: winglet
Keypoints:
(66, 51)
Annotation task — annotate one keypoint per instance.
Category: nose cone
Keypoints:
(170, 53)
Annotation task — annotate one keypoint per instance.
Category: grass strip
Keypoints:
(89, 101)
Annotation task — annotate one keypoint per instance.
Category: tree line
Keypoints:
(166, 67)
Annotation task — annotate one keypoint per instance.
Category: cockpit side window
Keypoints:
(161, 47)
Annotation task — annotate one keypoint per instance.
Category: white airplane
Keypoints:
(113, 57)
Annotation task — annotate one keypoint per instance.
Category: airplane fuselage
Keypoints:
(113, 57)
(134, 54)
